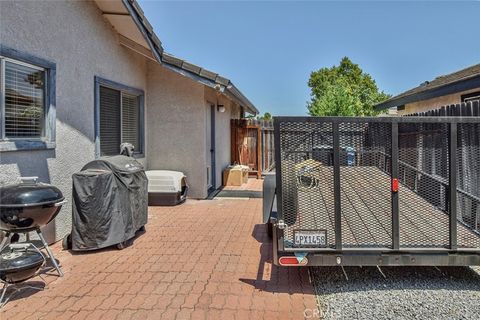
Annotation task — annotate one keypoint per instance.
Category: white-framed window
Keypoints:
(27, 101)
(119, 117)
(23, 89)
(471, 96)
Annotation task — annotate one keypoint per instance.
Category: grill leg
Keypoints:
(4, 241)
(4, 300)
(50, 254)
(4, 289)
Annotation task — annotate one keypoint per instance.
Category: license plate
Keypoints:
(311, 238)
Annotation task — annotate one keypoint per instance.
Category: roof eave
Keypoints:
(157, 52)
(203, 76)
(192, 76)
(229, 91)
(450, 88)
(242, 99)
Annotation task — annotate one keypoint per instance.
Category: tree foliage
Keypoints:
(266, 116)
(343, 90)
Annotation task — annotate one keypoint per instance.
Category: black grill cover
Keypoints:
(110, 202)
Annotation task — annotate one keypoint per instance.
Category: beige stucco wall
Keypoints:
(222, 131)
(75, 36)
(84, 45)
(176, 127)
(177, 132)
(434, 103)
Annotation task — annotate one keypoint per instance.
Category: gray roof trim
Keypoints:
(243, 100)
(145, 28)
(183, 67)
(450, 88)
(193, 76)
(230, 91)
(208, 78)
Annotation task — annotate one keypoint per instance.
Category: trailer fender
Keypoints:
(269, 187)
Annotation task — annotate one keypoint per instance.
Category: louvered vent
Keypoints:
(110, 130)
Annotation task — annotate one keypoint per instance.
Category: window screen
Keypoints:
(130, 118)
(24, 101)
(119, 121)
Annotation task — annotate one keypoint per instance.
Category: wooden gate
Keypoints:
(268, 154)
(246, 145)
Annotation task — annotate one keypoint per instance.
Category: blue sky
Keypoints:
(268, 49)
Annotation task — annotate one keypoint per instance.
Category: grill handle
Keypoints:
(61, 203)
(29, 180)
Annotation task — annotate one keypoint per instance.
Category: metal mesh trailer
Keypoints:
(375, 191)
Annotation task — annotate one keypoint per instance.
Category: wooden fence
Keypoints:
(268, 154)
(252, 144)
(468, 153)
(256, 136)
(465, 109)
(246, 145)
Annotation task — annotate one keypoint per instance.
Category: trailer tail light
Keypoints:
(395, 185)
(292, 261)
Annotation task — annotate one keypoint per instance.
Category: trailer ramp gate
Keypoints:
(378, 187)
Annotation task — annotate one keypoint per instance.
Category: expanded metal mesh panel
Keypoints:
(423, 193)
(306, 152)
(468, 182)
(365, 150)
(307, 184)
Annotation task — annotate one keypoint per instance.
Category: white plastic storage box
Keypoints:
(166, 188)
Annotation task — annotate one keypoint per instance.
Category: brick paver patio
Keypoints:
(200, 260)
(253, 184)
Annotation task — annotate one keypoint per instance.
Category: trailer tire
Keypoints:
(269, 227)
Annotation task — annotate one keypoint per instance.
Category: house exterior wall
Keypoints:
(83, 45)
(176, 119)
(222, 132)
(430, 104)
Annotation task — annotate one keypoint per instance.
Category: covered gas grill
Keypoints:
(27, 206)
(109, 203)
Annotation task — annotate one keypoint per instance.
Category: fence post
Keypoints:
(452, 199)
(395, 196)
(336, 186)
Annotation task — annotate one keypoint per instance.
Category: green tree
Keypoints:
(343, 90)
(266, 116)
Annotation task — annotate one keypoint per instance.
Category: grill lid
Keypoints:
(20, 259)
(29, 193)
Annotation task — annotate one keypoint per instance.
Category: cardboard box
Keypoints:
(245, 170)
(233, 176)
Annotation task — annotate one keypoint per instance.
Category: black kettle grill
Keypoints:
(18, 262)
(27, 206)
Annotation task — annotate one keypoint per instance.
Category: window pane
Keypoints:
(109, 121)
(24, 101)
(130, 120)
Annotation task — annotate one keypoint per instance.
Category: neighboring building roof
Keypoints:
(465, 79)
(137, 33)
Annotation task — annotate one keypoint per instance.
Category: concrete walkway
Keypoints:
(200, 260)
